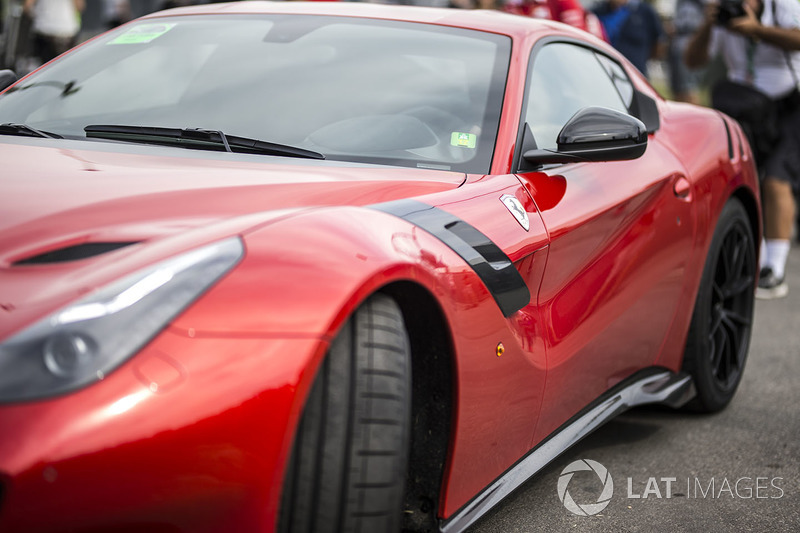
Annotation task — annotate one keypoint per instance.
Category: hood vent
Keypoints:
(73, 253)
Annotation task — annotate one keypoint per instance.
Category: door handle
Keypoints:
(682, 188)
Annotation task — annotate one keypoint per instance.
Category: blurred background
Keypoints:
(31, 31)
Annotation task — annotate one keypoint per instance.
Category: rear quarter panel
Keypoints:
(719, 165)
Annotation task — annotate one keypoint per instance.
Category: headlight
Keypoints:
(83, 342)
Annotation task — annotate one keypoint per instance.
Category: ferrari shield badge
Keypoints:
(515, 207)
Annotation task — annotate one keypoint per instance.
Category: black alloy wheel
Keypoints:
(731, 307)
(719, 334)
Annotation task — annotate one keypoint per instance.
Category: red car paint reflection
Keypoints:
(197, 429)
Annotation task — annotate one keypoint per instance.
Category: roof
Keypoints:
(483, 20)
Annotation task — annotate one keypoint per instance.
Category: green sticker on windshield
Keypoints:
(467, 140)
(143, 33)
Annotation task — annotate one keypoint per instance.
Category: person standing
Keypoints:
(634, 28)
(684, 83)
(55, 26)
(759, 45)
(569, 12)
(116, 12)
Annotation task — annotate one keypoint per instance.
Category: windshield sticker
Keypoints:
(143, 34)
(467, 140)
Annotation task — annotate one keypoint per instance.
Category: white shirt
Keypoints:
(55, 17)
(767, 68)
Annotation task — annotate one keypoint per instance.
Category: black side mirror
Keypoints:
(7, 77)
(595, 134)
(646, 109)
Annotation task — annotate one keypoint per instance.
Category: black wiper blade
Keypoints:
(196, 138)
(24, 130)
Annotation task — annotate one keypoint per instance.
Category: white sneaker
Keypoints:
(770, 286)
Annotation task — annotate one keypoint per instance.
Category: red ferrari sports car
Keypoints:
(348, 267)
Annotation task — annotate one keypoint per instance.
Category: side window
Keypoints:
(566, 78)
(621, 80)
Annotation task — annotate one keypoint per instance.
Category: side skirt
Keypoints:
(647, 387)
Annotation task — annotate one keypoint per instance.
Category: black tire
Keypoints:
(348, 465)
(719, 334)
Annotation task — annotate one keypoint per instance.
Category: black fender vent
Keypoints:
(73, 253)
(488, 261)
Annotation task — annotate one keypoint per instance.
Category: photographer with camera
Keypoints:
(758, 40)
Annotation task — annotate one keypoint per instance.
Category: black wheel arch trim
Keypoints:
(729, 136)
(488, 260)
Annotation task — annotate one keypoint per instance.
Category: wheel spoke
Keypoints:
(717, 293)
(738, 286)
(712, 350)
(714, 344)
(716, 320)
(718, 355)
(733, 332)
(728, 365)
(729, 362)
(736, 318)
(739, 257)
(724, 372)
(715, 358)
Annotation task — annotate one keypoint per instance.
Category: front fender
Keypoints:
(304, 275)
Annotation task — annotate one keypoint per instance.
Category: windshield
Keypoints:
(352, 89)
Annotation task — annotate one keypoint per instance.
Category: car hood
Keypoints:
(59, 197)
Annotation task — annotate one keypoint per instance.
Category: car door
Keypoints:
(620, 236)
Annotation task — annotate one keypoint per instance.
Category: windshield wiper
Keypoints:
(195, 138)
(26, 131)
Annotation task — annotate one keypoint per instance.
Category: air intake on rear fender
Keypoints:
(73, 253)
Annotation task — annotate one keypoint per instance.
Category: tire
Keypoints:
(349, 460)
(719, 333)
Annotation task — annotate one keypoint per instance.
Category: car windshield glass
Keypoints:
(362, 90)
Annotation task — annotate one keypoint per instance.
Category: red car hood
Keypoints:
(58, 194)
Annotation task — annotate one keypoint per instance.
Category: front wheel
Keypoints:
(719, 334)
(349, 459)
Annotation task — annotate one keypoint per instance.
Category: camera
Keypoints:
(730, 9)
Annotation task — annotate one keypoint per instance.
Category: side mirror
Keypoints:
(7, 77)
(595, 134)
(646, 109)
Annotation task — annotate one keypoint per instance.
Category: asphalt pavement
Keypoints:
(738, 470)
